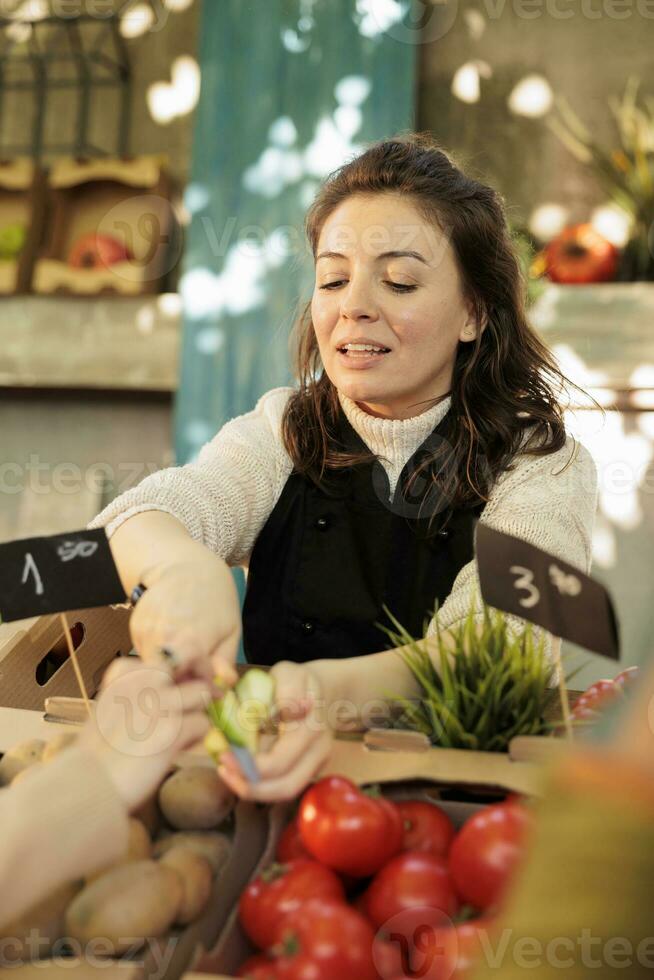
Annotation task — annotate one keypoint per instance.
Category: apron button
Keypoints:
(307, 627)
(322, 523)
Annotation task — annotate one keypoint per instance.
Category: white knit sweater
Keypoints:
(226, 495)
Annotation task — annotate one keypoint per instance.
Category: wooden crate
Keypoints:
(126, 199)
(22, 201)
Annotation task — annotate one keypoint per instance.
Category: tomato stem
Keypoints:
(273, 872)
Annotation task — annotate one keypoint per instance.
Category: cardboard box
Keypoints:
(171, 956)
(34, 663)
(402, 761)
(431, 774)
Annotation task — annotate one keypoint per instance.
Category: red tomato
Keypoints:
(325, 941)
(463, 947)
(596, 697)
(281, 889)
(347, 829)
(412, 893)
(445, 954)
(579, 254)
(485, 852)
(290, 846)
(626, 677)
(426, 827)
(259, 967)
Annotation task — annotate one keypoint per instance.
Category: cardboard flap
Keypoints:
(352, 758)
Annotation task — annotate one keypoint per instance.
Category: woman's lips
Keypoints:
(360, 359)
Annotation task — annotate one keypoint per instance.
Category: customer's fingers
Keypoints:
(285, 787)
(189, 696)
(193, 729)
(118, 668)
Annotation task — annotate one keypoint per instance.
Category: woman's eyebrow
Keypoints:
(397, 254)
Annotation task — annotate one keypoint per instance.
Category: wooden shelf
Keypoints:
(102, 343)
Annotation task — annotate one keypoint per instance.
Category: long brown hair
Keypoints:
(505, 384)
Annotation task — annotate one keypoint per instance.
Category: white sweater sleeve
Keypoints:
(549, 501)
(226, 495)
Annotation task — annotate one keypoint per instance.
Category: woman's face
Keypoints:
(368, 292)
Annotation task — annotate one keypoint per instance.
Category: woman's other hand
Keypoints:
(142, 721)
(190, 608)
(303, 743)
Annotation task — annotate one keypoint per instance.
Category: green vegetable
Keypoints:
(215, 743)
(12, 241)
(240, 714)
(256, 688)
(491, 687)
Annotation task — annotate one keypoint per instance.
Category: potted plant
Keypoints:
(625, 170)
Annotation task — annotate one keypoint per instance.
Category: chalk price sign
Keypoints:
(519, 578)
(57, 573)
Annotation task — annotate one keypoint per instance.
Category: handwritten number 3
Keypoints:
(526, 582)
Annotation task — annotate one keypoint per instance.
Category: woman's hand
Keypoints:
(142, 721)
(191, 609)
(303, 743)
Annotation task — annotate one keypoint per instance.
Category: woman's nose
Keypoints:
(357, 303)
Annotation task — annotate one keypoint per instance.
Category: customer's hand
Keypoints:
(303, 743)
(142, 721)
(191, 609)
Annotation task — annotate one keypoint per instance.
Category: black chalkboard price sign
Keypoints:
(519, 578)
(57, 573)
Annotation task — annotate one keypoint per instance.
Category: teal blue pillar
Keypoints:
(290, 89)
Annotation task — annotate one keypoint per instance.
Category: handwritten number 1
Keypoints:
(30, 566)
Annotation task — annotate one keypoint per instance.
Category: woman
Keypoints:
(425, 401)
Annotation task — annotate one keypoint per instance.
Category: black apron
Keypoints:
(327, 560)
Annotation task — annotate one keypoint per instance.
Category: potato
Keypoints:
(212, 846)
(20, 757)
(196, 875)
(195, 798)
(140, 845)
(36, 931)
(134, 901)
(56, 745)
(139, 848)
(148, 814)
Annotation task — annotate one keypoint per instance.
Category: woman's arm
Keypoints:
(224, 497)
(179, 530)
(548, 501)
(146, 543)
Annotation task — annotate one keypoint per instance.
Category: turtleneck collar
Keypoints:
(393, 440)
